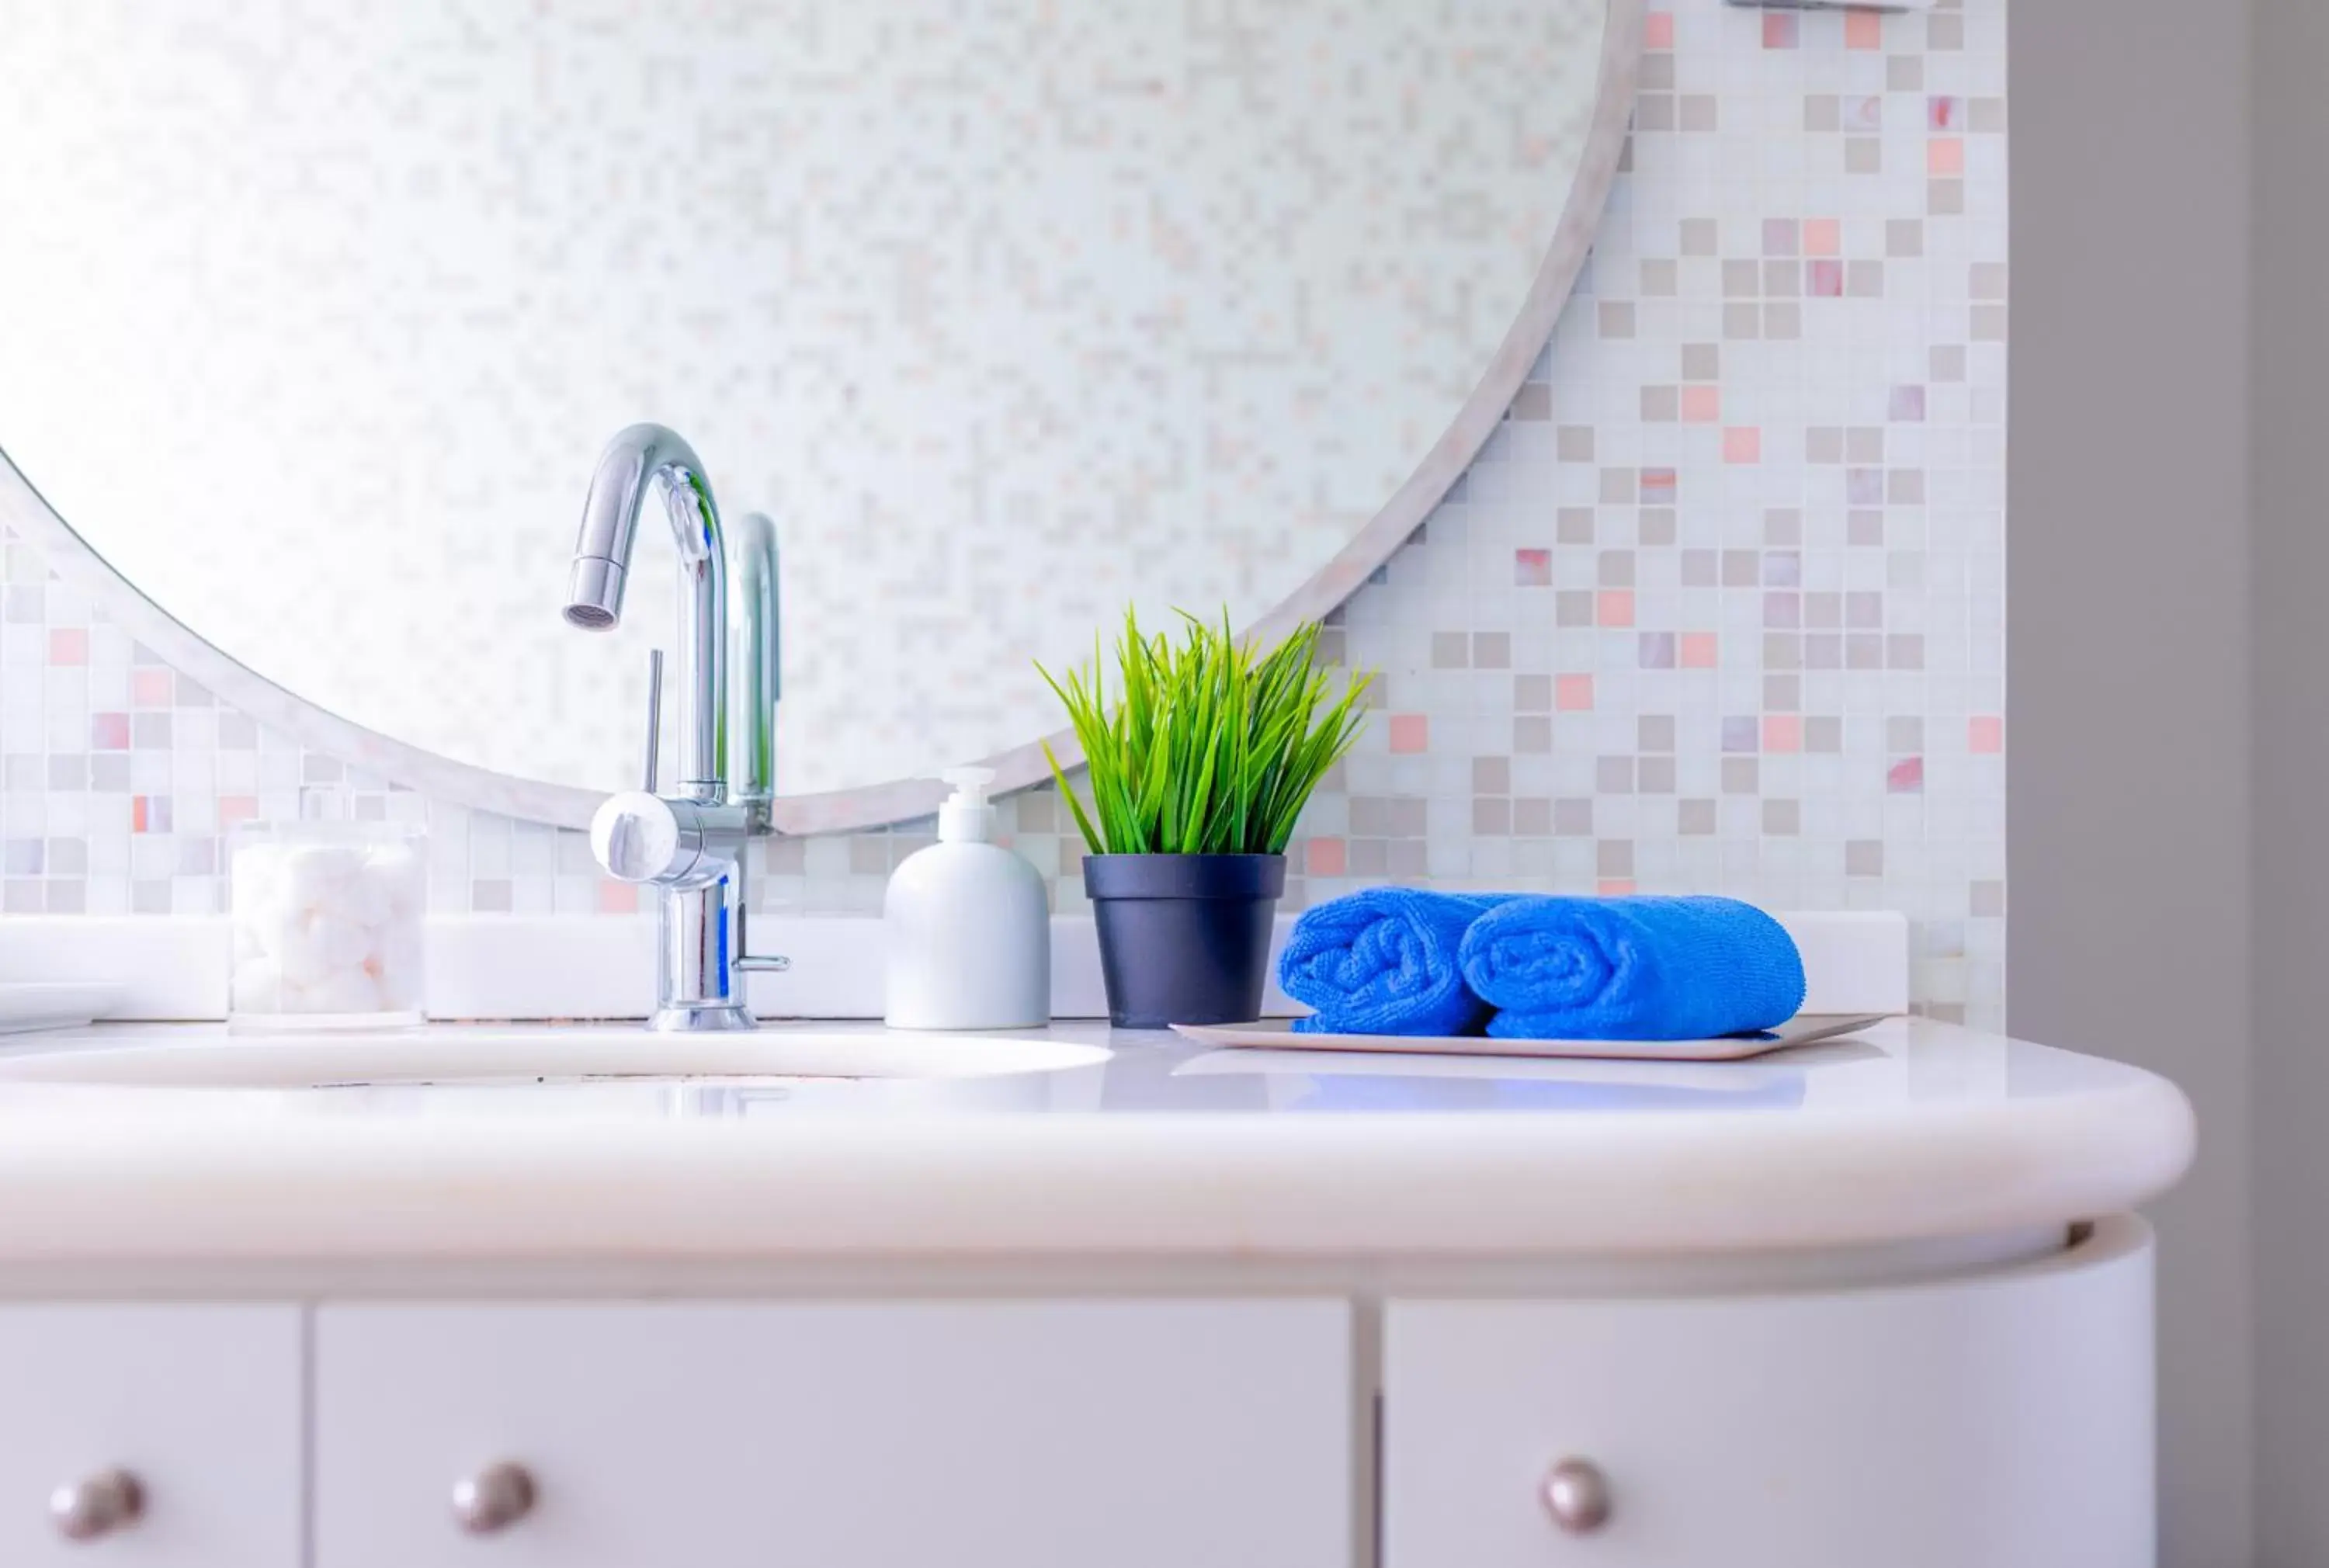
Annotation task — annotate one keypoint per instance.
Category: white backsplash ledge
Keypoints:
(513, 966)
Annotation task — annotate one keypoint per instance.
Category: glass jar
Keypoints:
(327, 921)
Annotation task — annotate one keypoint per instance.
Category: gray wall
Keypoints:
(2291, 431)
(2128, 669)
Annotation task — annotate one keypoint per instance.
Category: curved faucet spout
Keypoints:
(638, 463)
(692, 846)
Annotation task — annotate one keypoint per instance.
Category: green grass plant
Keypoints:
(1208, 749)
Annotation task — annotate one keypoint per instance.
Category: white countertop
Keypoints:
(1909, 1131)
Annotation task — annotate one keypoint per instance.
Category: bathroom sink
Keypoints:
(483, 1055)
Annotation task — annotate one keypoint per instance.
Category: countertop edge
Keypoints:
(1194, 1184)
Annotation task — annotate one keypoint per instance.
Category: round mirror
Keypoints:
(1009, 316)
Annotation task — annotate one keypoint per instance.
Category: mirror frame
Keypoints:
(25, 511)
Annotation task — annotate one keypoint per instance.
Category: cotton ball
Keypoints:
(363, 898)
(295, 951)
(270, 922)
(258, 986)
(259, 923)
(347, 991)
(338, 943)
(318, 946)
(315, 874)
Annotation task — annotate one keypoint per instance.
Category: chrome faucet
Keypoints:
(691, 845)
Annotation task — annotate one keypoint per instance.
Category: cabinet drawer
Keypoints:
(2004, 1420)
(849, 1435)
(200, 1403)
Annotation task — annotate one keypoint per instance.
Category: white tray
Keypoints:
(1277, 1034)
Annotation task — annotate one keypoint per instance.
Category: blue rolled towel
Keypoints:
(1383, 962)
(1632, 969)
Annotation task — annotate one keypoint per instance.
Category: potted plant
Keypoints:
(1198, 769)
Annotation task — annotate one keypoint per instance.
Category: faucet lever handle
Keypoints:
(655, 716)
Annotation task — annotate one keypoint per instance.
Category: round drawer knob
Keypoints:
(494, 1498)
(1577, 1496)
(97, 1504)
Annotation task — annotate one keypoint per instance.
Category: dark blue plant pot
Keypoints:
(1184, 939)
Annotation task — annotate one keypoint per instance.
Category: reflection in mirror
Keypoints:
(1009, 314)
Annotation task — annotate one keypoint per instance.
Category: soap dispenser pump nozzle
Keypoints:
(968, 816)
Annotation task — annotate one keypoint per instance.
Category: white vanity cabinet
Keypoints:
(1986, 1416)
(195, 1405)
(2001, 1420)
(1036, 1434)
(1809, 1311)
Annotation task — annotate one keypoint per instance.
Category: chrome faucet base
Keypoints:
(709, 1018)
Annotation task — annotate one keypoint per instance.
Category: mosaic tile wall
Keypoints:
(1719, 608)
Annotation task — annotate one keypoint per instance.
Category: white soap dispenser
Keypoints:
(967, 925)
